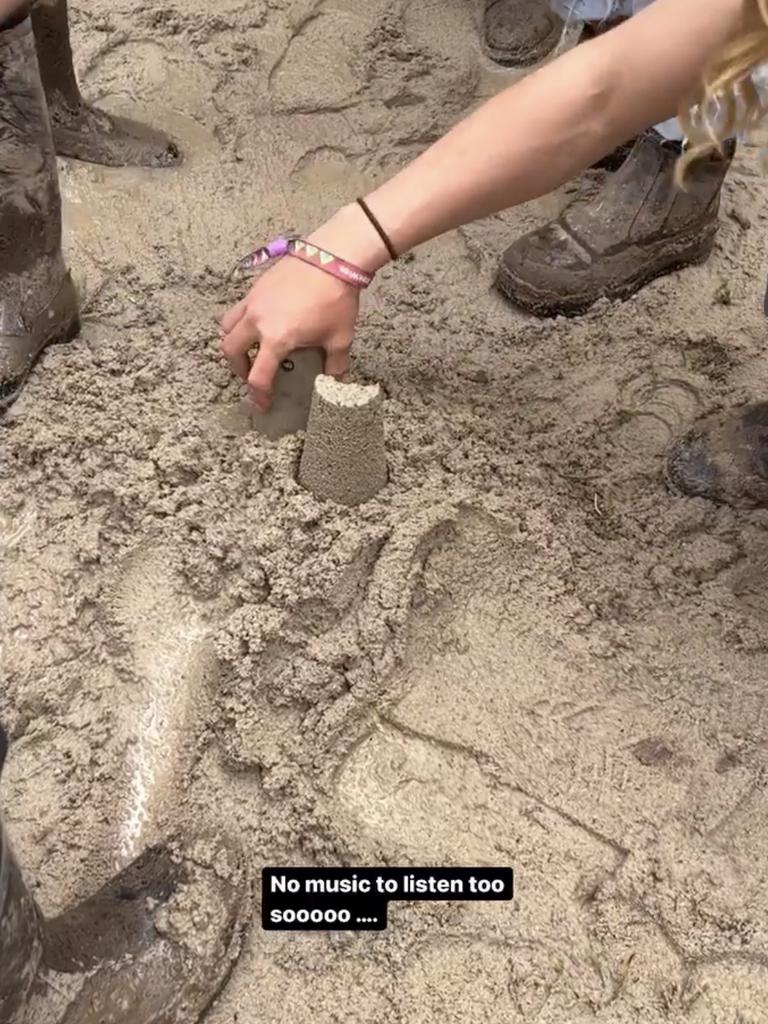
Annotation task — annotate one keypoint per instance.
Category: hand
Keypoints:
(291, 306)
(294, 305)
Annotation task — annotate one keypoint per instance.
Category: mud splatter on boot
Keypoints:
(639, 227)
(80, 130)
(723, 458)
(519, 33)
(38, 304)
(153, 946)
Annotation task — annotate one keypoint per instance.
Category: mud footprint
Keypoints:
(654, 406)
(171, 654)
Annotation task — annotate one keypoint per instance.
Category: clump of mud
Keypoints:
(523, 651)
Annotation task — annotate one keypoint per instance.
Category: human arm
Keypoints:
(519, 145)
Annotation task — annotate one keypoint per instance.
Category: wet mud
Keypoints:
(522, 650)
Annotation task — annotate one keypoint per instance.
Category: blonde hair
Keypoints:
(729, 102)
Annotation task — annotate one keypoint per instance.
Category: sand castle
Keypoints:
(344, 458)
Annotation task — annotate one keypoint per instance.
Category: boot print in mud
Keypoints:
(519, 33)
(80, 130)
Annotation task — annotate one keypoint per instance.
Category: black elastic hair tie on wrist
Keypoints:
(379, 229)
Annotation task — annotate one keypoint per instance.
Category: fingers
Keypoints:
(233, 316)
(337, 356)
(236, 345)
(241, 334)
(263, 372)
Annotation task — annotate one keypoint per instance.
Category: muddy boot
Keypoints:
(38, 304)
(723, 458)
(21, 946)
(615, 159)
(153, 946)
(519, 33)
(639, 227)
(80, 130)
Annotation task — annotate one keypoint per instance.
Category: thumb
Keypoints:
(337, 355)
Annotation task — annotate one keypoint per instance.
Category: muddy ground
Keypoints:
(524, 652)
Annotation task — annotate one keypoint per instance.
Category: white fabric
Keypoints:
(597, 10)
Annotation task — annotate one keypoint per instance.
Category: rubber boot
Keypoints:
(519, 33)
(38, 303)
(153, 946)
(723, 458)
(639, 227)
(80, 130)
(21, 945)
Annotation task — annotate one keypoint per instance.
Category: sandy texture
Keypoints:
(522, 651)
(344, 455)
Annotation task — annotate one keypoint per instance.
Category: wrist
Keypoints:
(350, 236)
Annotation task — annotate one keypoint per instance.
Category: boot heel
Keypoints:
(68, 332)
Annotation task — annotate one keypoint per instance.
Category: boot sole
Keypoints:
(670, 484)
(66, 333)
(676, 491)
(520, 293)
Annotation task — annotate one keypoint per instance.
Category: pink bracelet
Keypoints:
(307, 253)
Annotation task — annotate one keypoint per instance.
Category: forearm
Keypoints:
(520, 145)
(554, 123)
